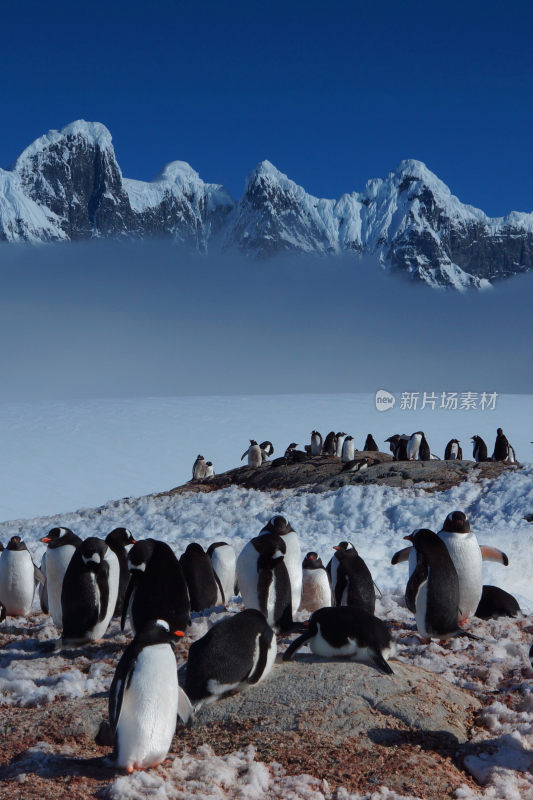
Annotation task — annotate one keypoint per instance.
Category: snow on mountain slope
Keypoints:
(71, 186)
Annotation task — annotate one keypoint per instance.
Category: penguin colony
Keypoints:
(83, 584)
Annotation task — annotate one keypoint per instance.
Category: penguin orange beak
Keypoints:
(46, 539)
(335, 548)
(134, 541)
(409, 538)
(179, 633)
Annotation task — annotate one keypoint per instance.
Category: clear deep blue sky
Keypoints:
(333, 93)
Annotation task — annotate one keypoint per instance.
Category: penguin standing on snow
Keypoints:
(224, 561)
(346, 631)
(316, 588)
(330, 445)
(480, 452)
(62, 544)
(238, 651)
(145, 699)
(316, 443)
(351, 581)
(157, 588)
(434, 588)
(118, 540)
(370, 444)
(17, 578)
(204, 588)
(453, 450)
(255, 459)
(89, 593)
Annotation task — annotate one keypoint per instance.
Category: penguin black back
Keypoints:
(118, 540)
(157, 587)
(370, 444)
(201, 579)
(352, 585)
(82, 608)
(495, 602)
(273, 579)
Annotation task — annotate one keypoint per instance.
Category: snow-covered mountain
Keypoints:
(68, 185)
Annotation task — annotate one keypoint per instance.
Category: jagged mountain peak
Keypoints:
(94, 133)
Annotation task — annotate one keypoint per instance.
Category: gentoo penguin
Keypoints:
(413, 445)
(89, 593)
(434, 588)
(273, 590)
(290, 449)
(316, 588)
(17, 578)
(480, 449)
(341, 436)
(247, 561)
(145, 699)
(43, 589)
(224, 560)
(357, 465)
(330, 445)
(370, 444)
(255, 459)
(424, 453)
(502, 449)
(62, 544)
(453, 450)
(3, 612)
(209, 471)
(495, 602)
(267, 449)
(346, 631)
(351, 581)
(398, 446)
(295, 456)
(118, 540)
(237, 651)
(157, 588)
(348, 449)
(198, 468)
(204, 588)
(316, 443)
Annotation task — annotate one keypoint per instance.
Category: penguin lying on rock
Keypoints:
(347, 631)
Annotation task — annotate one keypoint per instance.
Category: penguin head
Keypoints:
(456, 522)
(57, 534)
(92, 551)
(253, 442)
(279, 525)
(16, 543)
(157, 632)
(209, 463)
(120, 536)
(344, 549)
(199, 457)
(422, 539)
(312, 561)
(194, 549)
(140, 554)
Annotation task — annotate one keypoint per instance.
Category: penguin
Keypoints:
(357, 465)
(145, 699)
(348, 450)
(501, 447)
(347, 631)
(330, 445)
(255, 459)
(294, 456)
(434, 588)
(43, 589)
(204, 588)
(370, 444)
(118, 540)
(398, 446)
(224, 561)
(273, 591)
(316, 587)
(424, 453)
(209, 471)
(413, 445)
(17, 578)
(62, 544)
(157, 588)
(496, 603)
(453, 451)
(351, 581)
(247, 563)
(3, 612)
(198, 468)
(341, 436)
(89, 593)
(236, 652)
(290, 449)
(480, 452)
(316, 443)
(267, 449)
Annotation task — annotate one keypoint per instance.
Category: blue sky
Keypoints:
(332, 93)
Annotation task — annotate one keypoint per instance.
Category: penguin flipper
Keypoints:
(244, 454)
(298, 642)
(493, 554)
(185, 709)
(119, 684)
(377, 661)
(401, 555)
(131, 585)
(379, 590)
(39, 575)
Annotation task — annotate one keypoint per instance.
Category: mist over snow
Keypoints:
(122, 319)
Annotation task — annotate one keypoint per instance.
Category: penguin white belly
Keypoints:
(293, 562)
(223, 560)
(465, 553)
(421, 604)
(340, 445)
(454, 450)
(413, 446)
(57, 561)
(348, 451)
(321, 647)
(247, 576)
(316, 591)
(16, 582)
(149, 709)
(113, 580)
